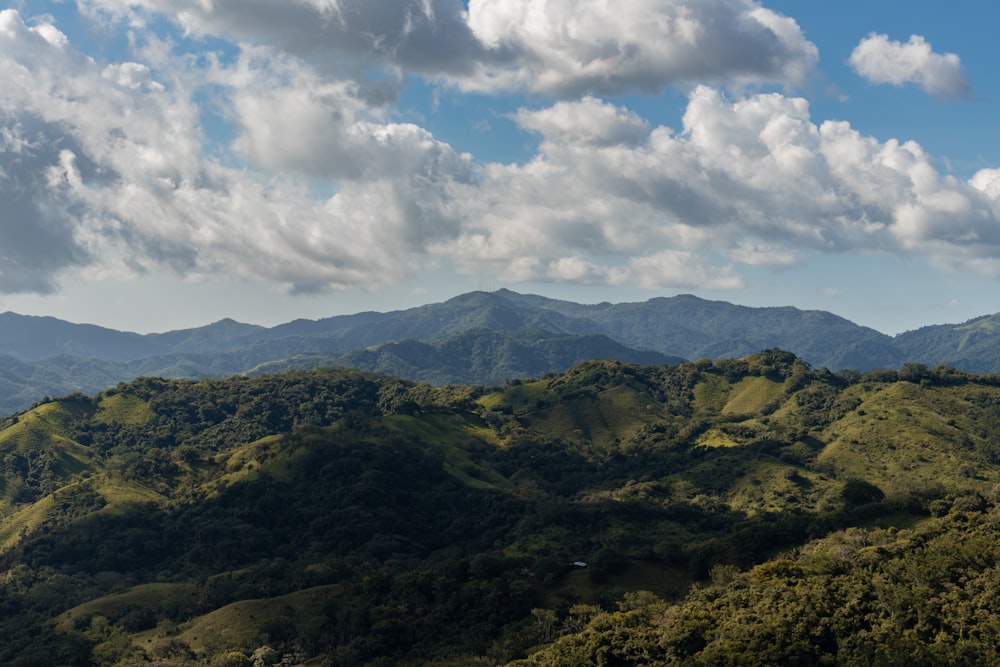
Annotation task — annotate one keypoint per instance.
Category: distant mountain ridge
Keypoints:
(474, 338)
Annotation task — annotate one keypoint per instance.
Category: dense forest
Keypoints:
(748, 511)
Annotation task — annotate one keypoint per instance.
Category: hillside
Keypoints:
(340, 517)
(475, 338)
(971, 346)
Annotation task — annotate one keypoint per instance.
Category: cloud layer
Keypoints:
(559, 47)
(105, 168)
(110, 169)
(749, 182)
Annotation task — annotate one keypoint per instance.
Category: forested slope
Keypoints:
(338, 517)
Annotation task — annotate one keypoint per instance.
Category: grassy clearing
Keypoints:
(123, 409)
(41, 426)
(150, 596)
(246, 462)
(904, 437)
(243, 625)
(449, 438)
(519, 398)
(603, 420)
(767, 487)
(120, 494)
(475, 428)
(24, 521)
(45, 430)
(711, 395)
(752, 395)
(716, 437)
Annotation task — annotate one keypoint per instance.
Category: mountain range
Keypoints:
(478, 337)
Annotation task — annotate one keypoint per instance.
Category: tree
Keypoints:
(859, 492)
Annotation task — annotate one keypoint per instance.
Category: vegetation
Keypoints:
(970, 345)
(745, 511)
(475, 338)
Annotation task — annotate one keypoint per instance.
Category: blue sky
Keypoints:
(168, 163)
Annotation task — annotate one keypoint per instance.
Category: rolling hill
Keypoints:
(612, 514)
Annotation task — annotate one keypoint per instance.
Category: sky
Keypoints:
(165, 164)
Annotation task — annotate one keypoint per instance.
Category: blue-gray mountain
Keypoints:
(476, 338)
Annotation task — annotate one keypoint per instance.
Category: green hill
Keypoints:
(971, 345)
(612, 514)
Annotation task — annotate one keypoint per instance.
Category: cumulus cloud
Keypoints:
(880, 60)
(37, 221)
(988, 182)
(103, 168)
(37, 239)
(289, 118)
(750, 182)
(589, 121)
(429, 36)
(559, 47)
(567, 47)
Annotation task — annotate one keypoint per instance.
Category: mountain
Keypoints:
(222, 335)
(683, 326)
(973, 346)
(694, 328)
(479, 337)
(734, 511)
(28, 337)
(493, 357)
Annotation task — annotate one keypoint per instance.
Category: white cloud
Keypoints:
(567, 47)
(755, 253)
(682, 270)
(588, 121)
(567, 269)
(344, 37)
(987, 181)
(751, 182)
(103, 168)
(880, 60)
(37, 239)
(559, 47)
(289, 118)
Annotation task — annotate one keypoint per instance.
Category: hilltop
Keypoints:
(340, 517)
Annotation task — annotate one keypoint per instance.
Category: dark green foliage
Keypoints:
(492, 357)
(859, 492)
(925, 596)
(349, 518)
